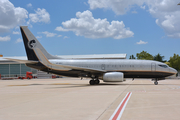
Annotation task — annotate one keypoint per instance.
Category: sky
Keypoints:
(80, 27)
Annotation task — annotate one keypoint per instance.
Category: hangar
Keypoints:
(14, 69)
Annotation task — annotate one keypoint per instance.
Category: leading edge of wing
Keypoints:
(21, 61)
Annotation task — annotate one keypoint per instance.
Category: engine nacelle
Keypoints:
(113, 77)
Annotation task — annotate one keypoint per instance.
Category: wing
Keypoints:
(48, 64)
(82, 68)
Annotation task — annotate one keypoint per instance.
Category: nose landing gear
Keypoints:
(155, 81)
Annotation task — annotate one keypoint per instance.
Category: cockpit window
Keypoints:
(164, 66)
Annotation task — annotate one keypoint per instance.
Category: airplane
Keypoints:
(108, 70)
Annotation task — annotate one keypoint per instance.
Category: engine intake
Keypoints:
(113, 77)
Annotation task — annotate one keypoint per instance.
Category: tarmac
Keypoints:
(75, 99)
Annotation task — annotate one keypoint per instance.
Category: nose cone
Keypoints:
(172, 70)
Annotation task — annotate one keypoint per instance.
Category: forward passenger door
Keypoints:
(153, 66)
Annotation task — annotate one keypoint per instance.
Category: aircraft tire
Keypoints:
(97, 82)
(91, 82)
(156, 83)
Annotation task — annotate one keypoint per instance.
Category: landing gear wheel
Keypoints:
(97, 82)
(91, 82)
(156, 83)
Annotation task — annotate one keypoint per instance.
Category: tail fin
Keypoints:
(30, 42)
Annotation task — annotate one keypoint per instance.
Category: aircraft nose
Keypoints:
(172, 70)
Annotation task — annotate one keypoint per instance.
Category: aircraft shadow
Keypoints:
(64, 85)
(105, 84)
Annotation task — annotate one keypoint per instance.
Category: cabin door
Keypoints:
(103, 66)
(153, 66)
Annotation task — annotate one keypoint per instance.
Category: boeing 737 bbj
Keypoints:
(108, 70)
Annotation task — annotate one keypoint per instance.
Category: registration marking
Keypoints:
(119, 110)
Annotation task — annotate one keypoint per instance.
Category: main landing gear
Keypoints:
(94, 82)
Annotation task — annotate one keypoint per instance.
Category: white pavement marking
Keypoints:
(119, 110)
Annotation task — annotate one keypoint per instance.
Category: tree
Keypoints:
(132, 57)
(167, 63)
(144, 56)
(175, 62)
(159, 58)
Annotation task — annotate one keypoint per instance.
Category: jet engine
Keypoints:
(113, 77)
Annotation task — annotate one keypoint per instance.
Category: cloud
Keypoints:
(38, 37)
(3, 39)
(11, 16)
(85, 3)
(166, 12)
(120, 7)
(16, 32)
(61, 29)
(40, 15)
(141, 42)
(18, 40)
(65, 37)
(134, 12)
(48, 34)
(143, 7)
(86, 25)
(59, 36)
(29, 5)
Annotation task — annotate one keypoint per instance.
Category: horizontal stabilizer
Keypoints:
(22, 61)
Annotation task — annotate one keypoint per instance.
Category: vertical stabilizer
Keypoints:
(30, 42)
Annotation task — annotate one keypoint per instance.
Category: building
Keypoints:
(13, 69)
